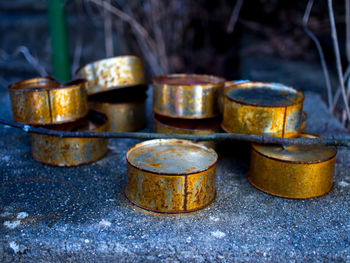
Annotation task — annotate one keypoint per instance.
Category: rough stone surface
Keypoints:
(51, 214)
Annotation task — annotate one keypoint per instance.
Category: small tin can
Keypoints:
(259, 108)
(58, 151)
(187, 96)
(184, 126)
(125, 109)
(44, 101)
(293, 171)
(170, 176)
(113, 73)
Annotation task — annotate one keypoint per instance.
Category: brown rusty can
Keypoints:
(113, 73)
(170, 176)
(126, 111)
(187, 96)
(303, 121)
(44, 101)
(58, 151)
(293, 171)
(184, 126)
(259, 108)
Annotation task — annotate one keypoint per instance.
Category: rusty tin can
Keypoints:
(58, 151)
(259, 108)
(113, 73)
(293, 171)
(44, 101)
(184, 126)
(125, 109)
(170, 176)
(187, 96)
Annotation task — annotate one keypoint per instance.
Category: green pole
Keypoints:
(59, 43)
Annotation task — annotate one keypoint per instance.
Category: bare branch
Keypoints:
(234, 16)
(320, 53)
(208, 137)
(337, 57)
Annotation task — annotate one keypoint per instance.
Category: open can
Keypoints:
(260, 108)
(44, 101)
(187, 96)
(58, 151)
(184, 126)
(170, 176)
(294, 171)
(113, 73)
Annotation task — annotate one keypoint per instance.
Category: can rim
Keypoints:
(215, 81)
(247, 84)
(309, 135)
(107, 59)
(174, 141)
(31, 84)
(157, 118)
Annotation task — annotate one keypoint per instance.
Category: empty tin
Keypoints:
(113, 73)
(45, 101)
(183, 126)
(170, 176)
(259, 108)
(58, 151)
(293, 171)
(187, 96)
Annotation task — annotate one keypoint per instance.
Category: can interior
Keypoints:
(91, 122)
(131, 94)
(195, 124)
(188, 79)
(264, 94)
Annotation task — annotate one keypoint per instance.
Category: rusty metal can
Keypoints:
(44, 101)
(170, 176)
(184, 126)
(126, 111)
(187, 96)
(259, 108)
(113, 73)
(292, 171)
(58, 151)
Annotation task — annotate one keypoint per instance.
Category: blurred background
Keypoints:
(263, 40)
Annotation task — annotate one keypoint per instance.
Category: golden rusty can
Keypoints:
(259, 108)
(295, 171)
(58, 151)
(184, 126)
(187, 96)
(44, 101)
(125, 111)
(113, 73)
(170, 176)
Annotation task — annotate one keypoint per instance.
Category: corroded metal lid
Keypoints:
(264, 94)
(171, 156)
(297, 153)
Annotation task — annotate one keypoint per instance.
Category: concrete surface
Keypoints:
(51, 214)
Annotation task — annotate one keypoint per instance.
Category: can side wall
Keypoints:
(288, 179)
